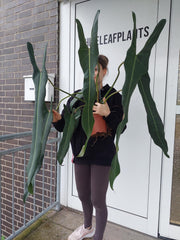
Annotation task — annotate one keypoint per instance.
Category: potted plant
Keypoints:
(136, 69)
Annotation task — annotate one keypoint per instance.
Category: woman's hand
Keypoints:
(56, 116)
(101, 109)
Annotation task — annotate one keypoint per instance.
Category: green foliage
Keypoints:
(115, 170)
(71, 122)
(155, 125)
(136, 68)
(2, 238)
(41, 123)
(88, 58)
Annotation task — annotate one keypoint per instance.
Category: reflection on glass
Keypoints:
(175, 197)
(178, 86)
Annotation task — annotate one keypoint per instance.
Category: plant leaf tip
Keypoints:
(133, 15)
(77, 20)
(29, 46)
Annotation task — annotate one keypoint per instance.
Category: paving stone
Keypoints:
(48, 231)
(59, 225)
(69, 219)
(114, 232)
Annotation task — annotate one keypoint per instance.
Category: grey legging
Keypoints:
(92, 183)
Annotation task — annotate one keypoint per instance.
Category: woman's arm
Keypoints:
(58, 121)
(56, 116)
(112, 110)
(101, 109)
(116, 108)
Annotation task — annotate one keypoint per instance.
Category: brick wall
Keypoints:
(22, 21)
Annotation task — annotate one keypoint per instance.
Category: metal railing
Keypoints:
(55, 204)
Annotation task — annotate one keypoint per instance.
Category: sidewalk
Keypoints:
(59, 225)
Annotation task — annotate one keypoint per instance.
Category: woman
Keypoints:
(92, 170)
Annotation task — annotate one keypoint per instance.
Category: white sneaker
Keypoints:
(81, 233)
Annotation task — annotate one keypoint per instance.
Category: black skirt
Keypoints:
(100, 151)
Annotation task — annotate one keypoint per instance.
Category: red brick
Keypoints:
(16, 28)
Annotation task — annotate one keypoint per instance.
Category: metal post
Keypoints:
(34, 200)
(51, 177)
(58, 180)
(43, 186)
(13, 229)
(0, 197)
(58, 207)
(24, 186)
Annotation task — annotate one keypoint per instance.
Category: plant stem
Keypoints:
(112, 95)
(69, 94)
(97, 84)
(79, 107)
(60, 102)
(114, 80)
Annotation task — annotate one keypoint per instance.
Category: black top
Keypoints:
(100, 149)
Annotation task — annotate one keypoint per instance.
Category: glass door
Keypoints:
(135, 201)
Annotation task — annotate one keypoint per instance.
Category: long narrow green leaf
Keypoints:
(115, 170)
(79, 96)
(155, 125)
(132, 77)
(135, 67)
(129, 85)
(71, 122)
(88, 58)
(41, 123)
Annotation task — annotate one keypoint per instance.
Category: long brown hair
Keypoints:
(103, 60)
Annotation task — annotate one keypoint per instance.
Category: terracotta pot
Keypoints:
(100, 125)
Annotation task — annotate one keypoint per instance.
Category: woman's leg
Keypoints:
(83, 183)
(99, 185)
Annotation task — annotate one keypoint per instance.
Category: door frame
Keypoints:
(165, 228)
(149, 226)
